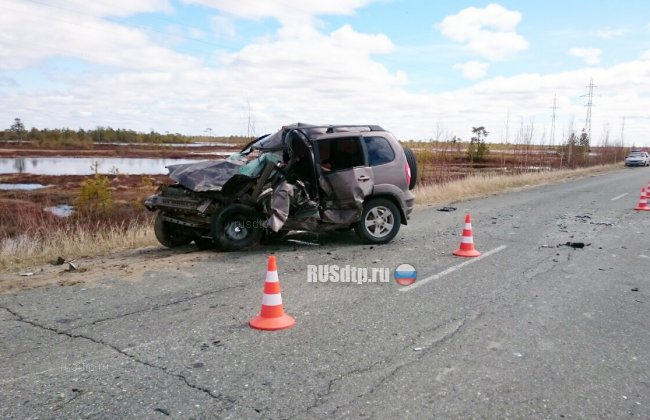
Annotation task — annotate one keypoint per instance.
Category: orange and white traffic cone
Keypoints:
(467, 241)
(643, 202)
(272, 316)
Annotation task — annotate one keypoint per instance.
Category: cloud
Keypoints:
(7, 82)
(300, 73)
(286, 11)
(223, 26)
(118, 8)
(473, 69)
(361, 91)
(488, 32)
(609, 33)
(30, 33)
(591, 56)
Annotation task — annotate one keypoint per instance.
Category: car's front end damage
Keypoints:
(190, 210)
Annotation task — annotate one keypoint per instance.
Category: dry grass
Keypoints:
(73, 241)
(482, 185)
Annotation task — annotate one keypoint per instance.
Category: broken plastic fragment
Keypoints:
(576, 245)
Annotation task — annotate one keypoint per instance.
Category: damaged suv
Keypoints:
(303, 177)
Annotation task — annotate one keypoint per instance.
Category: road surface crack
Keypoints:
(156, 307)
(449, 330)
(543, 266)
(228, 402)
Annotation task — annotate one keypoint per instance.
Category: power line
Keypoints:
(554, 108)
(589, 104)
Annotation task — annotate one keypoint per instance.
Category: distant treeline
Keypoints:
(87, 138)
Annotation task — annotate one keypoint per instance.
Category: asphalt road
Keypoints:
(536, 329)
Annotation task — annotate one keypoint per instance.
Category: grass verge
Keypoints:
(477, 186)
(73, 241)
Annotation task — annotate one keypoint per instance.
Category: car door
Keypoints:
(348, 177)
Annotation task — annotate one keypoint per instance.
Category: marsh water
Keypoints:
(85, 165)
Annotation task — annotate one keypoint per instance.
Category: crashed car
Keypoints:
(303, 177)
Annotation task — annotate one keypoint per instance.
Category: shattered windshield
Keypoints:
(276, 141)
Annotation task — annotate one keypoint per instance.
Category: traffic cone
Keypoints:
(272, 316)
(467, 241)
(643, 202)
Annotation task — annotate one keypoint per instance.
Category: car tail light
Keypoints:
(407, 170)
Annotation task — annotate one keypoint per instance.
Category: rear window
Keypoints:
(341, 153)
(379, 151)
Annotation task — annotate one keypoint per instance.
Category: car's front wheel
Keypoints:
(170, 234)
(380, 221)
(236, 227)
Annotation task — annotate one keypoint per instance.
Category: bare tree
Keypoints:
(526, 135)
(605, 146)
(571, 140)
(438, 131)
(621, 147)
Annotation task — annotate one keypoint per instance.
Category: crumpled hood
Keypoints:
(208, 175)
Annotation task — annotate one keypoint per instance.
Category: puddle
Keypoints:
(84, 165)
(62, 210)
(189, 145)
(23, 187)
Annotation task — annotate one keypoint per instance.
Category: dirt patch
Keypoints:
(127, 266)
(64, 189)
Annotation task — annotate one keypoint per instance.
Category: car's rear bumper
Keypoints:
(409, 203)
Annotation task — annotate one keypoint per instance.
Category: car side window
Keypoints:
(379, 151)
(339, 154)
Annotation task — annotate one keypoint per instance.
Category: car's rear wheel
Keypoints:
(413, 165)
(236, 227)
(170, 234)
(380, 221)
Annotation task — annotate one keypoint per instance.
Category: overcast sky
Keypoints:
(420, 69)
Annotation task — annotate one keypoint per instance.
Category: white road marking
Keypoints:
(619, 196)
(450, 270)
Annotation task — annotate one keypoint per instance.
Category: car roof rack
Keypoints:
(342, 127)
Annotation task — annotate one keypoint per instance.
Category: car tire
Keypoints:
(380, 221)
(236, 227)
(413, 165)
(169, 234)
